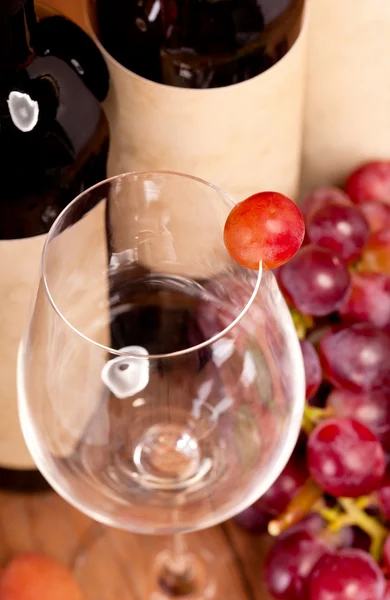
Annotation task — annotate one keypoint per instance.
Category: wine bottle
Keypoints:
(198, 43)
(53, 145)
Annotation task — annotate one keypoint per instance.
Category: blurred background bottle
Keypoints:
(213, 89)
(53, 145)
(198, 43)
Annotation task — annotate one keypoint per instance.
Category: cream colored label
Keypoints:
(347, 113)
(243, 138)
(19, 274)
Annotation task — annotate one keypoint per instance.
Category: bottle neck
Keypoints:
(17, 22)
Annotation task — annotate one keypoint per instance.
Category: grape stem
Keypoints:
(302, 323)
(312, 415)
(354, 514)
(297, 509)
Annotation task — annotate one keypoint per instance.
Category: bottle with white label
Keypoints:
(53, 145)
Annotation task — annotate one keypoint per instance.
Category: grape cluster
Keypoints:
(330, 508)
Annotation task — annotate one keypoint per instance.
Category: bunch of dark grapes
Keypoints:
(330, 508)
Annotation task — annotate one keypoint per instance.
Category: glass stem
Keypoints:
(179, 550)
(177, 576)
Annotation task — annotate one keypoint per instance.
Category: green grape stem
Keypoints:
(312, 415)
(300, 506)
(302, 323)
(353, 514)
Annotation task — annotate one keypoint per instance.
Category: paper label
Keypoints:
(243, 138)
(347, 116)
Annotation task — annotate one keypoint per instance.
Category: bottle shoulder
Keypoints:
(53, 140)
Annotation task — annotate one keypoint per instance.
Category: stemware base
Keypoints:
(186, 576)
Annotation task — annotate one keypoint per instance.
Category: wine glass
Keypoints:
(161, 385)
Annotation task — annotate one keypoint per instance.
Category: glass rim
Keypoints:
(54, 231)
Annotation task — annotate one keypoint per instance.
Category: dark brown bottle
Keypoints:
(53, 145)
(198, 43)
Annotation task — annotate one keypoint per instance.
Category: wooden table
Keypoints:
(110, 564)
(114, 565)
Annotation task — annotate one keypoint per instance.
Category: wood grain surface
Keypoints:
(111, 564)
(115, 565)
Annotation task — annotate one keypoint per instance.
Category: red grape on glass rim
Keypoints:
(315, 281)
(345, 458)
(265, 227)
(348, 574)
(356, 358)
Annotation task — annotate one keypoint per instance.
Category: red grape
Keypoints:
(387, 592)
(371, 408)
(386, 553)
(384, 497)
(345, 458)
(368, 300)
(371, 181)
(353, 537)
(356, 358)
(315, 281)
(376, 254)
(342, 229)
(253, 519)
(313, 372)
(377, 215)
(313, 524)
(292, 478)
(266, 226)
(289, 564)
(322, 197)
(275, 500)
(347, 575)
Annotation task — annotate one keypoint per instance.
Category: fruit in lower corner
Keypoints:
(347, 575)
(370, 181)
(345, 458)
(34, 576)
(266, 227)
